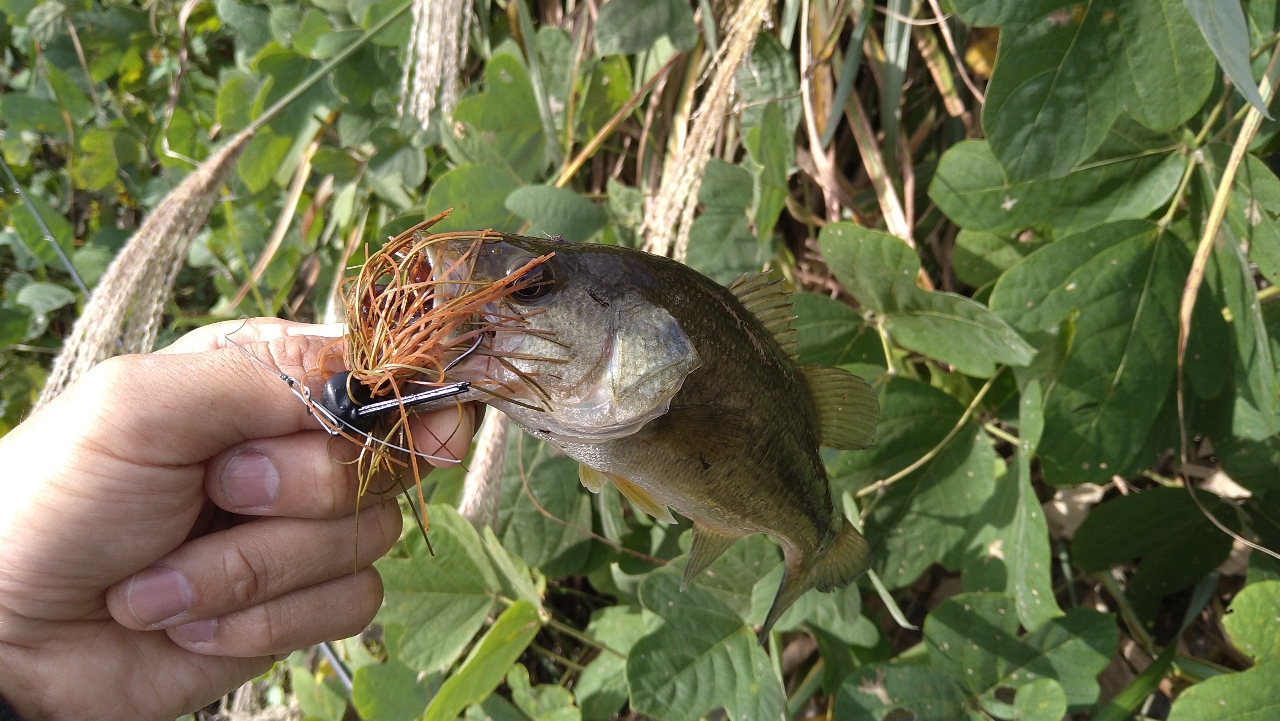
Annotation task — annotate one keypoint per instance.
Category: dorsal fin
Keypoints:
(768, 300)
(847, 407)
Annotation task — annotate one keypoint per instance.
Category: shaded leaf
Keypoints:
(552, 479)
(721, 245)
(889, 693)
(601, 689)
(506, 116)
(979, 258)
(973, 639)
(767, 76)
(772, 152)
(1252, 620)
(1246, 696)
(1163, 527)
(625, 27)
(1003, 12)
(388, 692)
(478, 196)
(830, 333)
(1222, 23)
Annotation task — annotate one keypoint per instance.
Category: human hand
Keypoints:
(173, 521)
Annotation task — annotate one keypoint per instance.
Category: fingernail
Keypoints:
(158, 593)
(197, 631)
(250, 480)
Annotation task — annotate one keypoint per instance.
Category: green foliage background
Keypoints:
(1024, 344)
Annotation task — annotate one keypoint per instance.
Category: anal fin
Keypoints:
(591, 479)
(642, 499)
(707, 546)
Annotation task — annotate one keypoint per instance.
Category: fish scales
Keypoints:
(656, 378)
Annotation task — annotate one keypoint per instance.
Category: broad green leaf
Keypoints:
(971, 188)
(973, 638)
(314, 25)
(1251, 695)
(478, 196)
(537, 469)
(601, 689)
(740, 577)
(923, 518)
(105, 151)
(702, 658)
(1040, 700)
(488, 662)
(25, 112)
(1253, 212)
(771, 150)
(625, 27)
(1223, 25)
(33, 236)
(544, 702)
(608, 90)
(1257, 406)
(1053, 94)
(1122, 284)
(721, 245)
(388, 692)
(1163, 527)
(506, 116)
(284, 23)
(768, 75)
(1165, 70)
(235, 101)
(69, 95)
(43, 298)
(1252, 620)
(512, 572)
(830, 333)
(262, 158)
(557, 211)
(320, 697)
(13, 324)
(1010, 552)
(1004, 12)
(880, 271)
(839, 613)
(442, 600)
(889, 693)
(979, 258)
(251, 23)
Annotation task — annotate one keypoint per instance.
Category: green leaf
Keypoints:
(43, 298)
(880, 271)
(1253, 212)
(514, 575)
(251, 24)
(1003, 12)
(319, 697)
(442, 600)
(13, 324)
(96, 168)
(68, 93)
(552, 479)
(1165, 71)
(721, 245)
(477, 194)
(765, 77)
(1252, 620)
(830, 333)
(235, 101)
(971, 188)
(923, 518)
(979, 258)
(740, 577)
(771, 149)
(702, 658)
(601, 689)
(24, 112)
(284, 23)
(1250, 695)
(1052, 95)
(630, 26)
(1122, 285)
(1222, 23)
(1163, 527)
(890, 693)
(557, 211)
(544, 702)
(506, 116)
(1041, 700)
(1009, 552)
(388, 692)
(488, 662)
(262, 158)
(33, 236)
(609, 89)
(973, 639)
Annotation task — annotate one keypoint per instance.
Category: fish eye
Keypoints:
(536, 283)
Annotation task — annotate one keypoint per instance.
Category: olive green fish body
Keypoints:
(666, 384)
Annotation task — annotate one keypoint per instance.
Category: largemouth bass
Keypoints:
(684, 394)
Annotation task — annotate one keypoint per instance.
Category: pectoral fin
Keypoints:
(707, 546)
(642, 499)
(591, 479)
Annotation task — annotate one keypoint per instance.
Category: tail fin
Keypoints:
(848, 557)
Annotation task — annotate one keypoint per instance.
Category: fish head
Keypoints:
(579, 351)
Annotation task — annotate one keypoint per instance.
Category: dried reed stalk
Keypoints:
(437, 49)
(124, 312)
(668, 224)
(482, 488)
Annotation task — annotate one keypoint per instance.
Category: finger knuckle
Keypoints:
(248, 571)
